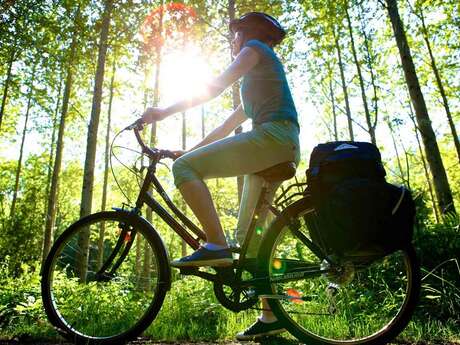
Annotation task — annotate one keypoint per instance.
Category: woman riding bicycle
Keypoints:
(267, 101)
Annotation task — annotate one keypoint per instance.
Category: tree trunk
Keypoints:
(440, 86)
(334, 114)
(100, 243)
(6, 86)
(441, 184)
(184, 205)
(370, 129)
(395, 146)
(425, 167)
(21, 150)
(235, 91)
(138, 264)
(344, 85)
(88, 175)
(53, 142)
(50, 218)
(50, 168)
(139, 241)
(369, 62)
(146, 272)
(153, 135)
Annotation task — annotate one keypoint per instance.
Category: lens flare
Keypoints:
(174, 21)
(277, 265)
(295, 295)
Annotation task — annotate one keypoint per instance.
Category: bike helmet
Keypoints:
(259, 21)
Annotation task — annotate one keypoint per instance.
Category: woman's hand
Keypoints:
(179, 153)
(154, 114)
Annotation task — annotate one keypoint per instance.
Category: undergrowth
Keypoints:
(191, 311)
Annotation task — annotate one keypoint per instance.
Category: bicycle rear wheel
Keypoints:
(356, 300)
(105, 278)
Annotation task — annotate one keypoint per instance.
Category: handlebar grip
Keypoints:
(139, 124)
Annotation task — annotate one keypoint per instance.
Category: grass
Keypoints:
(191, 313)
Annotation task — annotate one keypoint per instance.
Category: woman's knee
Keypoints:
(182, 172)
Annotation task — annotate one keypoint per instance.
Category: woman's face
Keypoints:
(237, 43)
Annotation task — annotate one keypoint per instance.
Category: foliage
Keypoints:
(21, 308)
(439, 248)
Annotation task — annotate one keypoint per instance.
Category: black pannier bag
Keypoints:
(357, 210)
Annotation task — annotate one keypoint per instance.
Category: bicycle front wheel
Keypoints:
(105, 278)
(365, 299)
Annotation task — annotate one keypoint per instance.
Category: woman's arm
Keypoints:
(232, 122)
(243, 63)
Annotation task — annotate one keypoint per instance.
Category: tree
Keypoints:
(441, 184)
(425, 167)
(7, 82)
(344, 83)
(334, 114)
(370, 61)
(19, 33)
(419, 12)
(50, 217)
(371, 128)
(106, 162)
(21, 150)
(88, 175)
(184, 147)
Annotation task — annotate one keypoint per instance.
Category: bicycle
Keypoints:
(107, 275)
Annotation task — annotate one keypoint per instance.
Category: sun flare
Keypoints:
(184, 74)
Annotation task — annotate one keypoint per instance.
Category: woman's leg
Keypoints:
(251, 192)
(252, 187)
(267, 322)
(267, 314)
(197, 196)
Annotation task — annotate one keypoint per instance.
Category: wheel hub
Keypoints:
(341, 273)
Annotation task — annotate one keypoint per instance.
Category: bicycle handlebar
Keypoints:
(155, 154)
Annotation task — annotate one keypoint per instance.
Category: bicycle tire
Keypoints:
(331, 308)
(116, 308)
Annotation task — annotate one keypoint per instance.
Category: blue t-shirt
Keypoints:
(264, 90)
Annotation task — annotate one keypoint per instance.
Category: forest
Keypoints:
(75, 73)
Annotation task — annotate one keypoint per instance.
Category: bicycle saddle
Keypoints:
(278, 172)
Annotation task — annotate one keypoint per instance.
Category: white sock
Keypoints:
(266, 319)
(212, 246)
